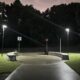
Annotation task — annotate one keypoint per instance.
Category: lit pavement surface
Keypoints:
(43, 67)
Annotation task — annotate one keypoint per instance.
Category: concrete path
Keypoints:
(38, 59)
(44, 71)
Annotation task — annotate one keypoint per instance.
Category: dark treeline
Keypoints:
(35, 27)
(66, 16)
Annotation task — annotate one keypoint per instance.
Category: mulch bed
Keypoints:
(3, 76)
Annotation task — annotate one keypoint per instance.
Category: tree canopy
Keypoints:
(35, 26)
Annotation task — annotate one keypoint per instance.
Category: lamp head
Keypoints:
(4, 26)
(46, 39)
(67, 30)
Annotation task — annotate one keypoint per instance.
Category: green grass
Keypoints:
(74, 62)
(7, 66)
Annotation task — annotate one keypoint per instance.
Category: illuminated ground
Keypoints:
(74, 61)
(42, 67)
(31, 58)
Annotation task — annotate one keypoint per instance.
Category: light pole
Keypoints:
(19, 39)
(60, 45)
(3, 28)
(67, 31)
(46, 51)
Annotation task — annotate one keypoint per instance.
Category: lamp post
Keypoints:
(3, 28)
(19, 39)
(46, 51)
(67, 31)
(60, 45)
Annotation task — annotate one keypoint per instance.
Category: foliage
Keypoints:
(7, 66)
(66, 16)
(35, 26)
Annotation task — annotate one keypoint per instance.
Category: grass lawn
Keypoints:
(7, 66)
(74, 62)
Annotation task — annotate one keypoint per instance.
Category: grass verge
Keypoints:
(7, 66)
(74, 62)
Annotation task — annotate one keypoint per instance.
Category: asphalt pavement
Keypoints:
(43, 67)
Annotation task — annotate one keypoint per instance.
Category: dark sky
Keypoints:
(42, 4)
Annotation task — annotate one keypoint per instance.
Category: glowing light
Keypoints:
(4, 27)
(67, 30)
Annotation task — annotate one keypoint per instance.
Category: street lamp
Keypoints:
(46, 51)
(60, 45)
(67, 31)
(3, 28)
(19, 39)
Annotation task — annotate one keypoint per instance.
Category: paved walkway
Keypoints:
(38, 59)
(57, 70)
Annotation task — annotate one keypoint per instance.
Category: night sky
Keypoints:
(42, 4)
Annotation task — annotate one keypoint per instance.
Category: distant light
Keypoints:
(5, 15)
(19, 38)
(4, 26)
(67, 30)
(46, 39)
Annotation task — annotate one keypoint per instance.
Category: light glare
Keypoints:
(4, 26)
(67, 30)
